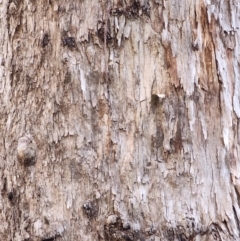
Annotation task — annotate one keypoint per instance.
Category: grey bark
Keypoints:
(129, 112)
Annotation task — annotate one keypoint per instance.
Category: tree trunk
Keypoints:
(119, 120)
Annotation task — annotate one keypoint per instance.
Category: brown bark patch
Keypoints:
(114, 230)
(90, 208)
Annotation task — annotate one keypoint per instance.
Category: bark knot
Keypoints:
(26, 151)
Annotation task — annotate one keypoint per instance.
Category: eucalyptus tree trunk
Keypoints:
(119, 120)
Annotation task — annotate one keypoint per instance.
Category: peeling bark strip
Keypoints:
(133, 108)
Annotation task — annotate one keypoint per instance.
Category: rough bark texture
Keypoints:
(131, 110)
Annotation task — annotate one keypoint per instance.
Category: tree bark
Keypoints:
(119, 120)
